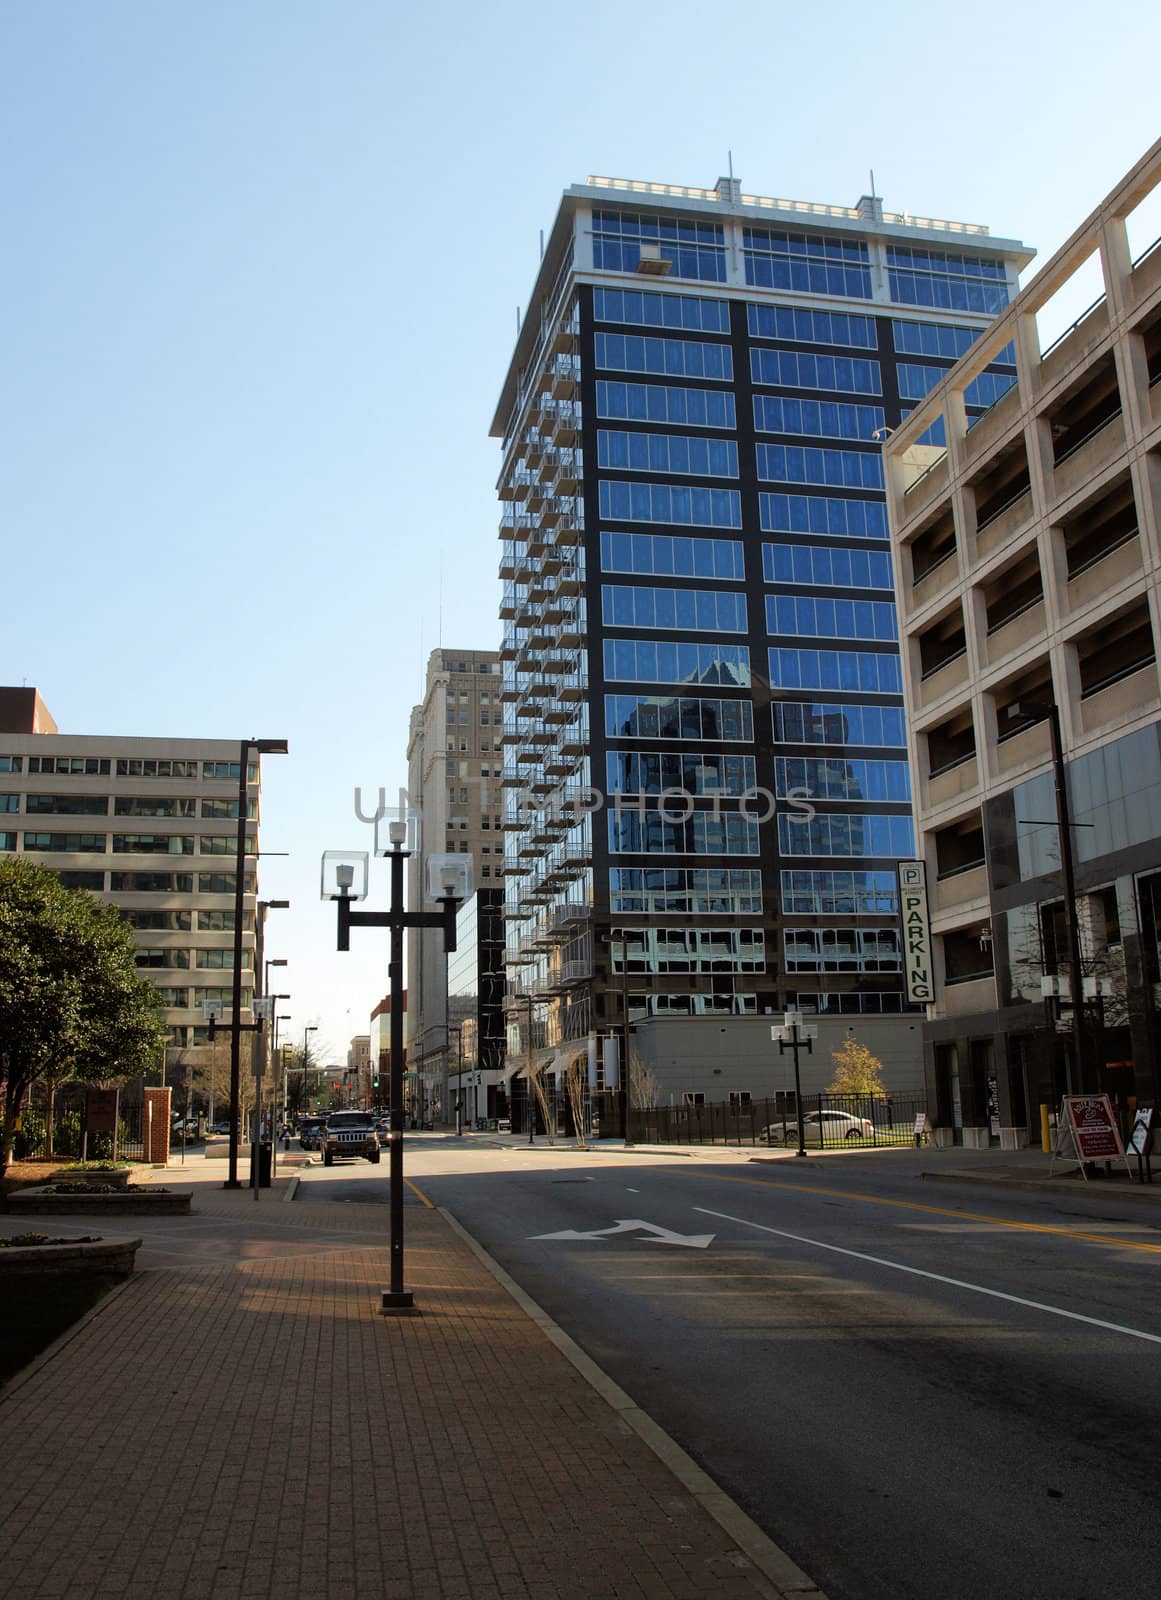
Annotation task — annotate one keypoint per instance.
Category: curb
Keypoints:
(1097, 1189)
(292, 1188)
(19, 1379)
(772, 1562)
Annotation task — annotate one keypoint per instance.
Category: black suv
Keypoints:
(349, 1133)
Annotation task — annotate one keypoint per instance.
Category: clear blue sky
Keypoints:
(261, 267)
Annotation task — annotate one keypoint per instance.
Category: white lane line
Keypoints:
(632, 1191)
(937, 1277)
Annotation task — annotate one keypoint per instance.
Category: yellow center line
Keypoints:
(933, 1211)
(418, 1192)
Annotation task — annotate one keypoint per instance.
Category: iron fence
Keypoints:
(830, 1122)
(66, 1138)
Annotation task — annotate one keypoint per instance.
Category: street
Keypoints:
(916, 1389)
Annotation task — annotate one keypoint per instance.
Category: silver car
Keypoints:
(831, 1124)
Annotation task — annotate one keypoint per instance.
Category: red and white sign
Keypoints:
(1094, 1128)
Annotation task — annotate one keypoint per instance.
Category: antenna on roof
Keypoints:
(542, 244)
(730, 166)
(517, 321)
(874, 196)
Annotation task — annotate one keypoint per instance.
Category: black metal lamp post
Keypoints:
(237, 1027)
(459, 1033)
(449, 882)
(306, 1033)
(791, 1035)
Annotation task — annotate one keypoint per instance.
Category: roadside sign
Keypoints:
(1088, 1124)
(1141, 1137)
(916, 922)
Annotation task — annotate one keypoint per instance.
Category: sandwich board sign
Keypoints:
(1087, 1126)
(916, 921)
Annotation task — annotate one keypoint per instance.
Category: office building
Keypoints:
(151, 826)
(699, 621)
(475, 984)
(1027, 547)
(453, 773)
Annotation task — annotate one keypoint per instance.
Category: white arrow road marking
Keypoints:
(654, 1234)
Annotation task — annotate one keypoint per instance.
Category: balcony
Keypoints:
(961, 890)
(1005, 524)
(1101, 449)
(1100, 580)
(576, 971)
(950, 782)
(949, 675)
(969, 996)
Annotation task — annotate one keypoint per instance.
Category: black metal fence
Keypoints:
(829, 1122)
(67, 1137)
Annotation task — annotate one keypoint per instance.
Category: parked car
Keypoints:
(222, 1126)
(184, 1128)
(309, 1132)
(349, 1133)
(833, 1125)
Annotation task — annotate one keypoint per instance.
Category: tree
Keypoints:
(72, 1003)
(857, 1071)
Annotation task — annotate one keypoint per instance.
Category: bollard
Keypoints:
(1045, 1132)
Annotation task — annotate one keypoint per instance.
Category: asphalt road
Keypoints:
(918, 1390)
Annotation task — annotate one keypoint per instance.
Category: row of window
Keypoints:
(842, 949)
(806, 263)
(670, 950)
(666, 661)
(671, 504)
(133, 767)
(826, 567)
(692, 610)
(693, 717)
(823, 514)
(806, 617)
(916, 382)
(689, 261)
(816, 778)
(945, 279)
(137, 844)
(825, 892)
(664, 358)
(654, 771)
(841, 671)
(830, 469)
(673, 556)
(661, 310)
(179, 960)
(812, 327)
(151, 882)
(692, 891)
(799, 370)
(819, 419)
(193, 1000)
(97, 805)
(702, 834)
(811, 722)
(667, 452)
(183, 921)
(845, 835)
(655, 402)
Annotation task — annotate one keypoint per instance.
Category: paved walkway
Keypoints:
(238, 1420)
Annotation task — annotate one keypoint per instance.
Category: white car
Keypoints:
(832, 1125)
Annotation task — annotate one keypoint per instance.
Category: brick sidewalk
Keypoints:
(255, 1428)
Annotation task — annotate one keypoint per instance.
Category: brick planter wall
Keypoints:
(110, 1258)
(40, 1203)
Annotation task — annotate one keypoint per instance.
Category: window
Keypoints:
(64, 805)
(152, 844)
(222, 921)
(739, 1098)
(94, 881)
(139, 767)
(624, 501)
(830, 619)
(651, 772)
(151, 882)
(842, 949)
(832, 469)
(222, 769)
(808, 263)
(865, 835)
(817, 778)
(916, 382)
(940, 339)
(690, 891)
(67, 766)
(159, 921)
(821, 419)
(8, 842)
(10, 803)
(667, 452)
(224, 808)
(792, 369)
(665, 358)
(154, 957)
(153, 806)
(842, 671)
(223, 883)
(830, 893)
(11, 763)
(693, 1097)
(672, 556)
(693, 610)
(219, 959)
(661, 310)
(65, 841)
(696, 249)
(674, 661)
(824, 514)
(696, 950)
(826, 566)
(945, 278)
(814, 722)
(678, 717)
(704, 833)
(799, 326)
(655, 402)
(225, 844)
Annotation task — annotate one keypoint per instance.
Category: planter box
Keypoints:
(119, 1177)
(133, 1203)
(108, 1258)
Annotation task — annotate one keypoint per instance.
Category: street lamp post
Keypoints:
(459, 1033)
(449, 883)
(791, 1035)
(262, 747)
(285, 1071)
(306, 1033)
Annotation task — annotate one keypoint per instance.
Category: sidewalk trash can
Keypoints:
(265, 1154)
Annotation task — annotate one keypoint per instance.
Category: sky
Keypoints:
(259, 285)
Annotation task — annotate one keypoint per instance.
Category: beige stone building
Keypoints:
(1027, 545)
(453, 780)
(149, 825)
